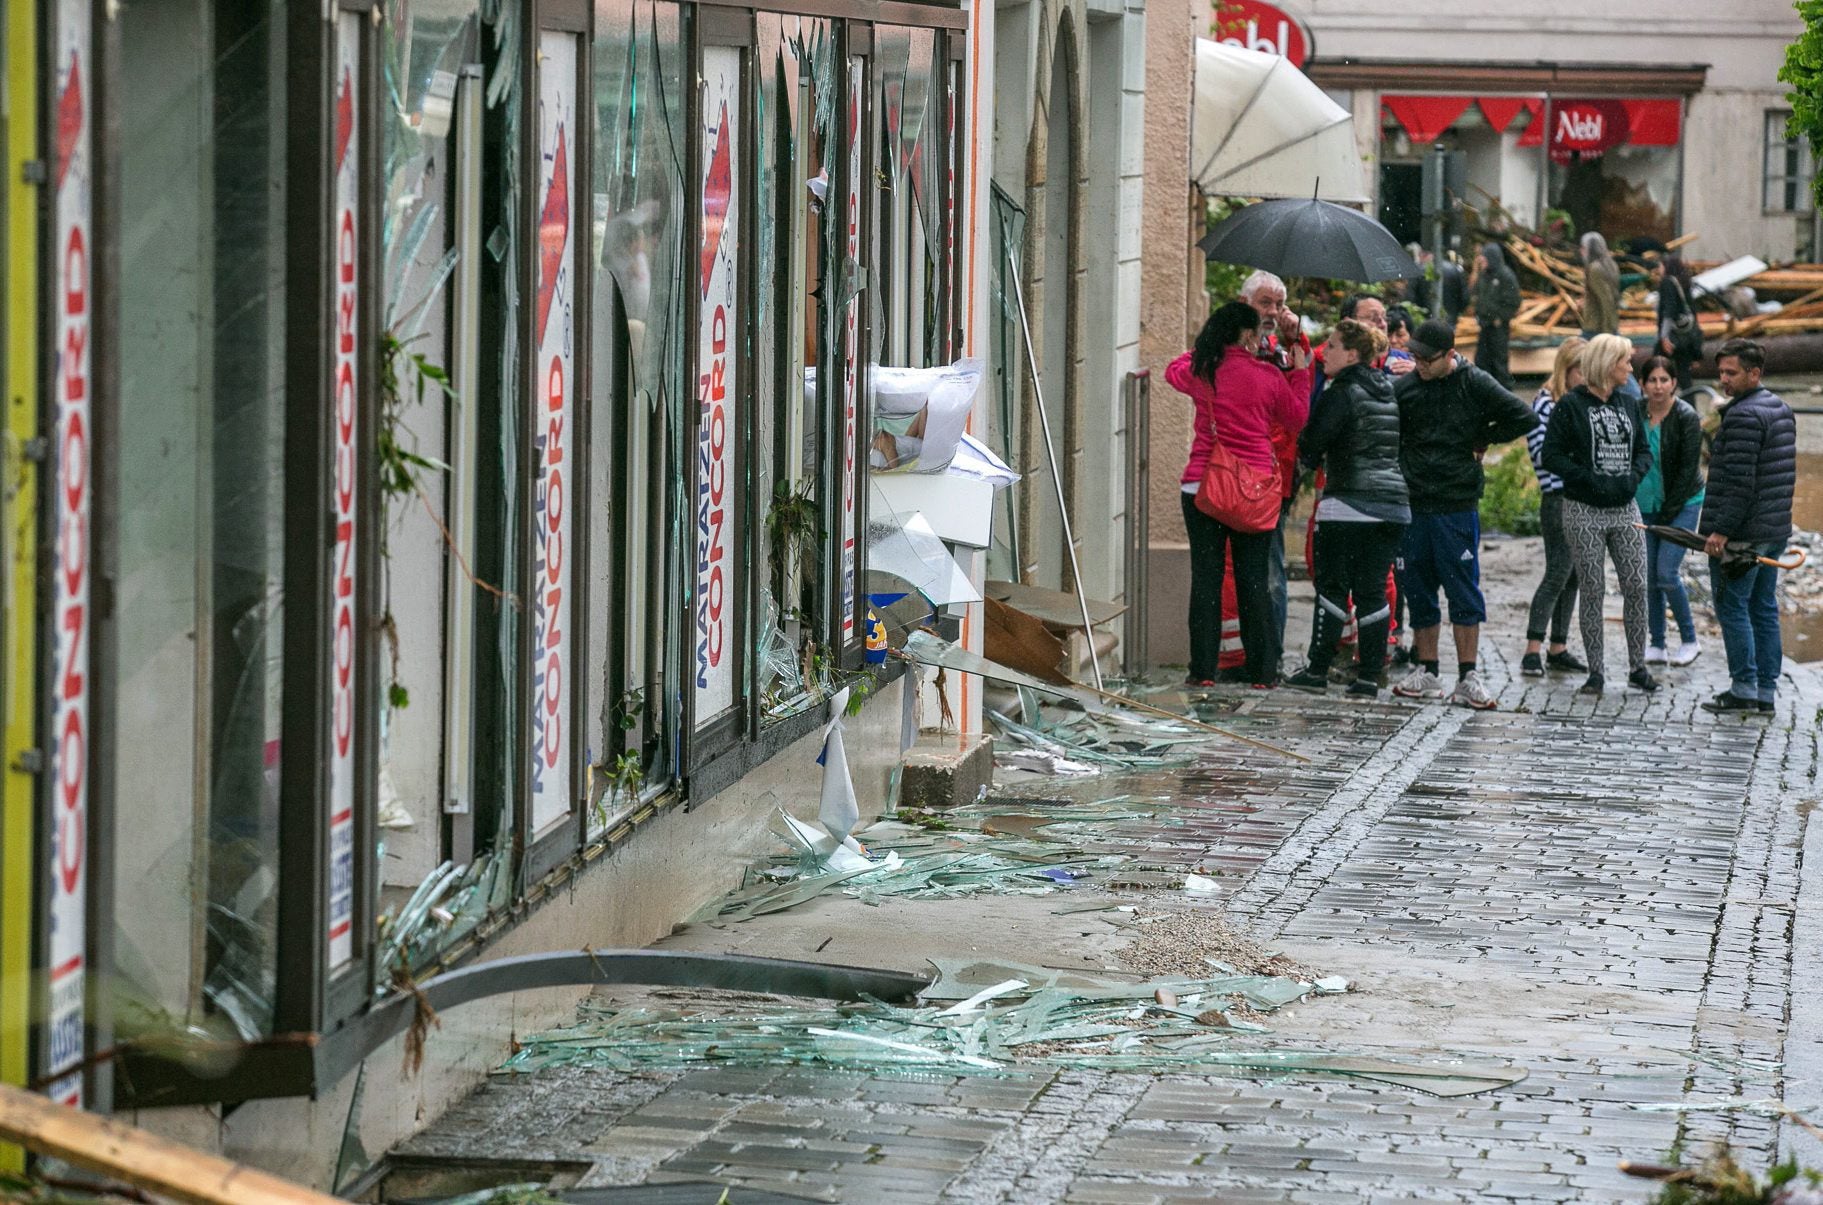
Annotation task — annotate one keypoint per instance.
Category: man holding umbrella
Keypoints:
(1753, 472)
(1449, 412)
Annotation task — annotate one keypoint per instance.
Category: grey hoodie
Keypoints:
(1496, 289)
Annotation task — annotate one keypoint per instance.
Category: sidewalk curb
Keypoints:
(1803, 1060)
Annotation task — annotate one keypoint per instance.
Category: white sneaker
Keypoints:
(1471, 691)
(1419, 684)
(1655, 655)
(1686, 653)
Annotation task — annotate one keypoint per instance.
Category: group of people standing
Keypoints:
(1396, 435)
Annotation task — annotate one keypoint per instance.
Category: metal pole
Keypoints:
(1050, 455)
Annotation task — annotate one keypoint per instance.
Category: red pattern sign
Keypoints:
(1256, 25)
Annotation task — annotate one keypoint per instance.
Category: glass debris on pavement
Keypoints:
(990, 1018)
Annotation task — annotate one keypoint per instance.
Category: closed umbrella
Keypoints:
(1309, 238)
(1736, 558)
(1261, 128)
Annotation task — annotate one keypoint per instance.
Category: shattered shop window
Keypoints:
(643, 409)
(201, 516)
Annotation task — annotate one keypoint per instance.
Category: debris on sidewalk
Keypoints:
(1189, 941)
(986, 1017)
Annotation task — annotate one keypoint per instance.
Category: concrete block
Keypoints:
(942, 775)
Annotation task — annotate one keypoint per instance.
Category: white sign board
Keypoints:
(553, 435)
(718, 330)
(72, 527)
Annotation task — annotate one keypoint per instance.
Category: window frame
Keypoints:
(572, 18)
(1798, 179)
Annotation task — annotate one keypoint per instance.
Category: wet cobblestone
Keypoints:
(1602, 891)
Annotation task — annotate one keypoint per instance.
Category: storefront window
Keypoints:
(200, 424)
(796, 97)
(1602, 164)
(634, 670)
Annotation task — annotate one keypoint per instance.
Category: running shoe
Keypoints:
(1566, 662)
(1656, 656)
(1532, 665)
(1419, 684)
(1309, 679)
(1687, 652)
(1642, 679)
(1729, 703)
(1472, 692)
(1594, 686)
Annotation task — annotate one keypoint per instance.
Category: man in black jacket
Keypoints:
(1753, 472)
(1497, 301)
(1449, 412)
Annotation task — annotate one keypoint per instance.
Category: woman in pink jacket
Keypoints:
(1241, 401)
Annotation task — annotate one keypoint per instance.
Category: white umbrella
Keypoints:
(1261, 128)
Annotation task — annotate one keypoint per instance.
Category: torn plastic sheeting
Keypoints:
(927, 649)
(960, 511)
(919, 414)
(908, 548)
(975, 461)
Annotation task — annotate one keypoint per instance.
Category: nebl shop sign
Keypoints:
(1586, 127)
(1255, 25)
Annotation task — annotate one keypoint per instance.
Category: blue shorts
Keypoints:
(1442, 551)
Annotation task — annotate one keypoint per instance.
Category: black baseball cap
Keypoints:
(1432, 338)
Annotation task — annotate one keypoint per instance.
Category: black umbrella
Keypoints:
(1309, 238)
(1736, 559)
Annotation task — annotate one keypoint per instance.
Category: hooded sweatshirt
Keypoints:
(1496, 289)
(1598, 447)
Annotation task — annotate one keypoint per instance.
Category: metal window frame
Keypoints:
(318, 1023)
(542, 854)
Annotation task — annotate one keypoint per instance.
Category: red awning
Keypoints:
(1534, 133)
(1654, 122)
(1501, 110)
(1425, 117)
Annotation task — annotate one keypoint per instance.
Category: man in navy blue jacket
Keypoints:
(1753, 471)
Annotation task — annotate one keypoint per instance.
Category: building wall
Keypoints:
(667, 871)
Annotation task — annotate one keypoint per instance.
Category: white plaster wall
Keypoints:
(1723, 177)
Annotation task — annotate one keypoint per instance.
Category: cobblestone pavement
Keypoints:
(1601, 891)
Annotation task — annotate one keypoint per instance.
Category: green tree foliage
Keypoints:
(1803, 70)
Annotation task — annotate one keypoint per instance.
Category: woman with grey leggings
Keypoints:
(1555, 598)
(1596, 442)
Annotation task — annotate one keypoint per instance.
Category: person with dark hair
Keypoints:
(1241, 403)
(1670, 495)
(1680, 339)
(1353, 436)
(1449, 411)
(1753, 472)
(1496, 303)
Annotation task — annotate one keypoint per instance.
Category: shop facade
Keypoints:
(1639, 123)
(428, 538)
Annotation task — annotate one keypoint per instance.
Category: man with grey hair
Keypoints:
(1280, 334)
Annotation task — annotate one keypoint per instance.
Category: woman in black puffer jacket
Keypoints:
(1353, 435)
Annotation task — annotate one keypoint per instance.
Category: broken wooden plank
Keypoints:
(134, 1156)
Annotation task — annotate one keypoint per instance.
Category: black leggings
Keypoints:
(1555, 599)
(1252, 571)
(1352, 559)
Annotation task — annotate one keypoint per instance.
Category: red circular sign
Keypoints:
(1256, 25)
(1586, 127)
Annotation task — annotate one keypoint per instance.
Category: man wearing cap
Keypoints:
(1449, 413)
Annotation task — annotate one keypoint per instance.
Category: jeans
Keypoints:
(1352, 559)
(1277, 585)
(1596, 533)
(1209, 539)
(1665, 581)
(1555, 599)
(1748, 610)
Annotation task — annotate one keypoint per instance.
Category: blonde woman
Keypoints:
(1555, 599)
(1596, 443)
